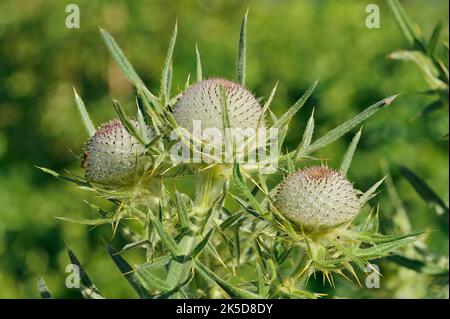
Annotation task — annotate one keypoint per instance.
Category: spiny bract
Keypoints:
(202, 102)
(113, 155)
(317, 198)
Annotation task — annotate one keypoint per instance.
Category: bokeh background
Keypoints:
(292, 41)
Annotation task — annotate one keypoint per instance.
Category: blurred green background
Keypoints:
(294, 42)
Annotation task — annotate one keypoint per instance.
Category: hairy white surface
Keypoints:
(317, 197)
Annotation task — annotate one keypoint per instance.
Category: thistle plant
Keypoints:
(284, 226)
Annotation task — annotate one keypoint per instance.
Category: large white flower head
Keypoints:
(202, 102)
(113, 156)
(199, 112)
(317, 198)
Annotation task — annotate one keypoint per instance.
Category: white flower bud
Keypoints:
(317, 198)
(202, 102)
(113, 156)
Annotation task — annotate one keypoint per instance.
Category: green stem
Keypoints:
(210, 185)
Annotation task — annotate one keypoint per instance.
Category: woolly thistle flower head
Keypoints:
(317, 198)
(202, 102)
(113, 156)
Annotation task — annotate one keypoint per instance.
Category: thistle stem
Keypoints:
(209, 186)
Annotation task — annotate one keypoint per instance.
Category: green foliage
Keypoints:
(289, 42)
(322, 251)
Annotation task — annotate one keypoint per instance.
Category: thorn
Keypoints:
(387, 101)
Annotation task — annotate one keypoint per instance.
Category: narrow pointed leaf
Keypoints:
(87, 221)
(79, 182)
(244, 188)
(198, 65)
(87, 287)
(430, 197)
(336, 133)
(241, 59)
(121, 60)
(182, 214)
(166, 71)
(168, 241)
(404, 23)
(306, 139)
(231, 290)
(127, 123)
(287, 116)
(199, 248)
(85, 118)
(267, 105)
(43, 289)
(129, 273)
(423, 189)
(181, 266)
(370, 192)
(346, 161)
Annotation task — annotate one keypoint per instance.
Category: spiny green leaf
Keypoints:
(166, 71)
(370, 193)
(422, 188)
(87, 221)
(151, 280)
(178, 288)
(244, 188)
(425, 65)
(134, 245)
(120, 58)
(306, 139)
(376, 238)
(142, 126)
(346, 161)
(129, 273)
(198, 64)
(199, 248)
(267, 105)
(181, 265)
(224, 109)
(182, 214)
(168, 241)
(85, 118)
(230, 220)
(429, 196)
(404, 23)
(87, 287)
(155, 263)
(145, 105)
(384, 249)
(64, 178)
(127, 123)
(43, 289)
(231, 290)
(241, 63)
(336, 133)
(287, 116)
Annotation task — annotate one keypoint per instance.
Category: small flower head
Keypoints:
(317, 198)
(113, 156)
(202, 102)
